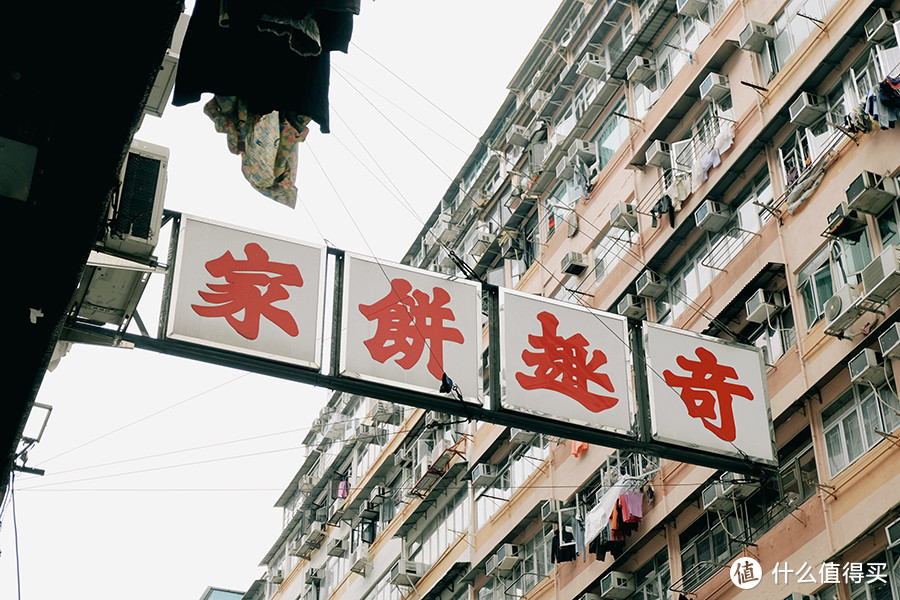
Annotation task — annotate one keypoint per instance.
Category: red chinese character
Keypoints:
(562, 365)
(406, 321)
(252, 286)
(708, 376)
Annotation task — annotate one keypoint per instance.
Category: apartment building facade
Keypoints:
(727, 168)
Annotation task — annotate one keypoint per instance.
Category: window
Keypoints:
(868, 587)
(686, 280)
(831, 268)
(792, 27)
(777, 334)
(797, 468)
(447, 525)
(850, 421)
(610, 135)
(652, 579)
(512, 474)
(612, 247)
(559, 205)
(674, 52)
(534, 563)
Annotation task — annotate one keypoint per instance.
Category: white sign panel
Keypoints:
(709, 394)
(248, 292)
(565, 362)
(405, 326)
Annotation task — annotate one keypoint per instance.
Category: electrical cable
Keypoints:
(144, 418)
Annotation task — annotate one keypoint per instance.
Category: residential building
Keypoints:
(711, 167)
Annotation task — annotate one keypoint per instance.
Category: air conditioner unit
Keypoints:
(379, 493)
(841, 309)
(384, 412)
(640, 69)
(714, 88)
(593, 66)
(490, 566)
(586, 151)
(691, 8)
(315, 534)
(880, 27)
(483, 474)
(754, 36)
(275, 576)
(295, 548)
(651, 284)
(539, 100)
(507, 556)
(711, 216)
(406, 572)
(658, 154)
(806, 109)
(520, 437)
(713, 498)
(735, 485)
(314, 575)
(307, 483)
(892, 532)
(135, 216)
(844, 222)
(871, 193)
(517, 135)
(865, 368)
(761, 307)
(564, 168)
(881, 277)
(550, 510)
(359, 559)
(368, 510)
(631, 306)
(573, 263)
(616, 584)
(623, 216)
(336, 547)
(335, 430)
(889, 341)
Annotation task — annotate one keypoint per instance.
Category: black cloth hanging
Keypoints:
(260, 66)
(663, 206)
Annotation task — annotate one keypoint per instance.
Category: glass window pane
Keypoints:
(834, 446)
(852, 436)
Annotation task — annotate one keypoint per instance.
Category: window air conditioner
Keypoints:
(640, 69)
(483, 474)
(564, 168)
(316, 533)
(573, 263)
(307, 483)
(711, 216)
(539, 100)
(880, 27)
(658, 154)
(335, 431)
(384, 412)
(754, 36)
(616, 584)
(406, 572)
(517, 135)
(631, 306)
(314, 575)
(359, 559)
(892, 532)
(844, 222)
(651, 284)
(378, 495)
(593, 66)
(276, 575)
(586, 151)
(368, 510)
(881, 277)
(690, 8)
(889, 341)
(865, 368)
(714, 88)
(806, 109)
(550, 510)
(507, 556)
(520, 437)
(135, 216)
(491, 566)
(841, 309)
(623, 216)
(871, 193)
(336, 547)
(722, 495)
(734, 485)
(481, 242)
(295, 548)
(761, 306)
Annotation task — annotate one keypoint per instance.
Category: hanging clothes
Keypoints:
(662, 207)
(634, 505)
(579, 538)
(343, 489)
(267, 144)
(558, 552)
(725, 137)
(225, 52)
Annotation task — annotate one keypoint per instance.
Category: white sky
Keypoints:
(169, 529)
